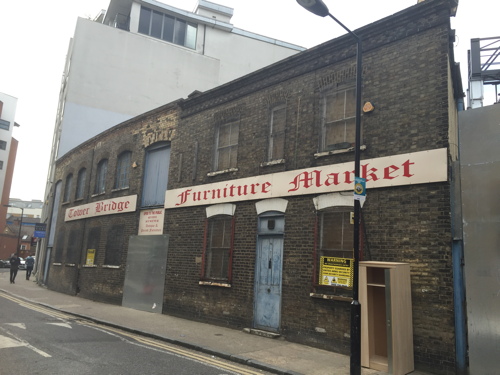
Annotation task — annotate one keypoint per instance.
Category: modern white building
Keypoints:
(141, 54)
(32, 208)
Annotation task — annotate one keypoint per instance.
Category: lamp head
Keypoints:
(317, 7)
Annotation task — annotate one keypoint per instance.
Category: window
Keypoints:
(3, 145)
(67, 187)
(80, 183)
(58, 255)
(5, 125)
(339, 120)
(123, 170)
(168, 28)
(336, 233)
(218, 248)
(227, 146)
(74, 246)
(100, 183)
(114, 245)
(1, 165)
(55, 211)
(156, 175)
(277, 133)
(93, 238)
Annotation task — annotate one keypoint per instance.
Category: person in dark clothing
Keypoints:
(30, 262)
(14, 266)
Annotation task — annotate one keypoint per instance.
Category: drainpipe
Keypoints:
(458, 272)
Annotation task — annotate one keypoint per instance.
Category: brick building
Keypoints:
(260, 192)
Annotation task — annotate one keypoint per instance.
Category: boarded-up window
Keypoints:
(156, 175)
(114, 245)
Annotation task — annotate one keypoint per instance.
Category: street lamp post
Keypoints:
(20, 226)
(319, 8)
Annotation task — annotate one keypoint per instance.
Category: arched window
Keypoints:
(67, 187)
(276, 147)
(80, 183)
(100, 182)
(123, 170)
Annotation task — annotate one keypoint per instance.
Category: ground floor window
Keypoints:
(114, 246)
(217, 257)
(336, 232)
(334, 250)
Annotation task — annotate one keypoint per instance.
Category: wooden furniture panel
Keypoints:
(386, 317)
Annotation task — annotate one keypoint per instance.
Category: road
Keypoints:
(38, 340)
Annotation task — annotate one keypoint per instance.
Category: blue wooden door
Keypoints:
(268, 274)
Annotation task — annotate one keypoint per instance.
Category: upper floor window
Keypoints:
(123, 170)
(3, 145)
(168, 28)
(67, 187)
(277, 133)
(156, 175)
(80, 183)
(100, 182)
(339, 120)
(227, 146)
(1, 165)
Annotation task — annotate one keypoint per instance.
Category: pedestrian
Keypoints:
(30, 262)
(14, 266)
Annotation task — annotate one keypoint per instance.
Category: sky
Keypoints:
(34, 38)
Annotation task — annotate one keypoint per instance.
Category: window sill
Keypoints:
(89, 266)
(70, 264)
(110, 266)
(97, 194)
(79, 199)
(65, 203)
(120, 189)
(216, 173)
(335, 152)
(56, 264)
(330, 297)
(272, 162)
(216, 283)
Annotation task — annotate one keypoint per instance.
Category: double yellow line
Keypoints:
(203, 358)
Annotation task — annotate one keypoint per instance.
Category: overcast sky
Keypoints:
(34, 37)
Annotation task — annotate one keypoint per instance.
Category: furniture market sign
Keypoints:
(396, 170)
(101, 208)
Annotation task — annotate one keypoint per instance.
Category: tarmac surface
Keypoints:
(274, 355)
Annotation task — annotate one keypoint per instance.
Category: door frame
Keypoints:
(261, 235)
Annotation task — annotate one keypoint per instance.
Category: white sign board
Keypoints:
(101, 208)
(405, 169)
(151, 222)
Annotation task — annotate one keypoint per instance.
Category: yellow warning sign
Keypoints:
(90, 257)
(336, 271)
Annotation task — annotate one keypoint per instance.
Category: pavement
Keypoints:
(275, 355)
